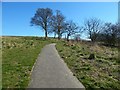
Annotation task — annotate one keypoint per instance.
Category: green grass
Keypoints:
(20, 53)
(103, 72)
(18, 57)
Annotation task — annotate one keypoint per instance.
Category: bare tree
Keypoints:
(93, 27)
(58, 24)
(54, 27)
(42, 18)
(110, 33)
(71, 29)
(118, 36)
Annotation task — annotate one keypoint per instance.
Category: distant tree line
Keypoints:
(57, 24)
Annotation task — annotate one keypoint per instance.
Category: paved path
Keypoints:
(50, 71)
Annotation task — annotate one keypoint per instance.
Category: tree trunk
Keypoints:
(45, 34)
(59, 34)
(67, 37)
(45, 30)
(58, 37)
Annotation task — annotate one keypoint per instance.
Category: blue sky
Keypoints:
(16, 16)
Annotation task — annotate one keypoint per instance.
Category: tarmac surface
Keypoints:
(50, 71)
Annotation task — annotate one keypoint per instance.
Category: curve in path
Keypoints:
(50, 71)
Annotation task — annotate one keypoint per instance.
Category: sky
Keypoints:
(16, 16)
(60, 0)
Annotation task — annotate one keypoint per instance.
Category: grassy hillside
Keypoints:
(102, 72)
(18, 57)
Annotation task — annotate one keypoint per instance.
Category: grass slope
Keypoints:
(103, 72)
(18, 57)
